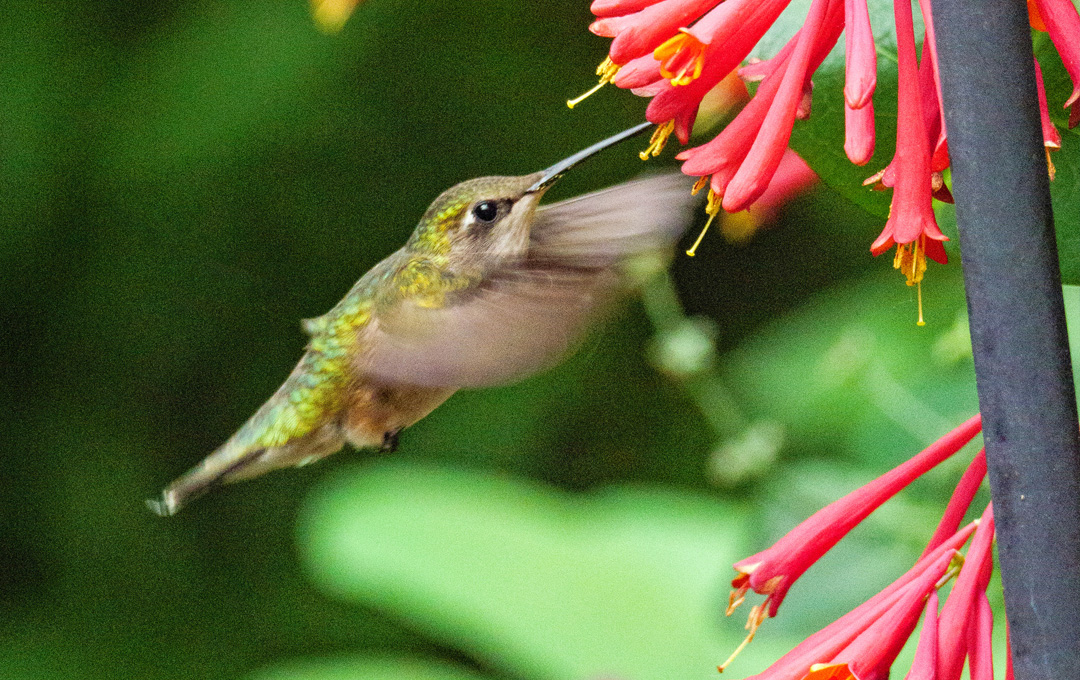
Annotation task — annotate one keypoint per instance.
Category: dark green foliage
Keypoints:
(183, 182)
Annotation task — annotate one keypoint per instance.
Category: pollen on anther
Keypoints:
(658, 140)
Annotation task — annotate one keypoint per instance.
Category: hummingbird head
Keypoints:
(479, 223)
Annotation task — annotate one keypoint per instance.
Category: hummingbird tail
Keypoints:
(198, 480)
(237, 460)
(298, 424)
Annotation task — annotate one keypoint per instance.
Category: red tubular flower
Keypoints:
(859, 636)
(940, 158)
(616, 8)
(641, 32)
(911, 225)
(721, 156)
(690, 47)
(724, 155)
(676, 51)
(680, 104)
(924, 665)
(1063, 24)
(872, 653)
(956, 614)
(980, 646)
(860, 75)
(772, 571)
(1051, 137)
(933, 117)
(961, 499)
(859, 133)
(753, 175)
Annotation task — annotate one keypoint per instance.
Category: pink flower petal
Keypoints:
(860, 75)
(859, 133)
(615, 8)
(980, 645)
(753, 176)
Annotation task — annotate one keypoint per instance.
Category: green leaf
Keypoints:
(1072, 317)
(369, 668)
(851, 367)
(627, 583)
(1065, 189)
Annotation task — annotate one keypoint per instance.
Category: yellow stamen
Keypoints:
(606, 70)
(712, 207)
(700, 184)
(658, 140)
(920, 322)
(1049, 163)
(874, 181)
(681, 44)
(753, 622)
(955, 564)
(910, 259)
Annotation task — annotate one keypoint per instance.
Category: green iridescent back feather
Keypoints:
(316, 390)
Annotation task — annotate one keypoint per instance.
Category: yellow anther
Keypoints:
(712, 207)
(1049, 163)
(658, 140)
(753, 622)
(606, 70)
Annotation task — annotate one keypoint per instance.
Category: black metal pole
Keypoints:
(1017, 325)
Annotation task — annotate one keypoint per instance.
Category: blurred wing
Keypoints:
(519, 322)
(532, 312)
(601, 228)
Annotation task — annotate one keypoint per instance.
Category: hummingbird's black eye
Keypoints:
(486, 211)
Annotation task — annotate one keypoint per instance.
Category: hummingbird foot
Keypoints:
(390, 441)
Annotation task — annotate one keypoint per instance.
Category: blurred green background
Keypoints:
(184, 181)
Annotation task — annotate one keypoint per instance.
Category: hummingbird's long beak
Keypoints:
(556, 171)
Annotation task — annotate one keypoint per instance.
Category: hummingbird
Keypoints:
(490, 288)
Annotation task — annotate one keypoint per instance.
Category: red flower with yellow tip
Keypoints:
(864, 643)
(772, 572)
(676, 51)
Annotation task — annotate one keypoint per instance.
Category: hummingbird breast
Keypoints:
(375, 410)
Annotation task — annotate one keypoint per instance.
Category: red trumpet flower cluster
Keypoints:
(864, 643)
(675, 51)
